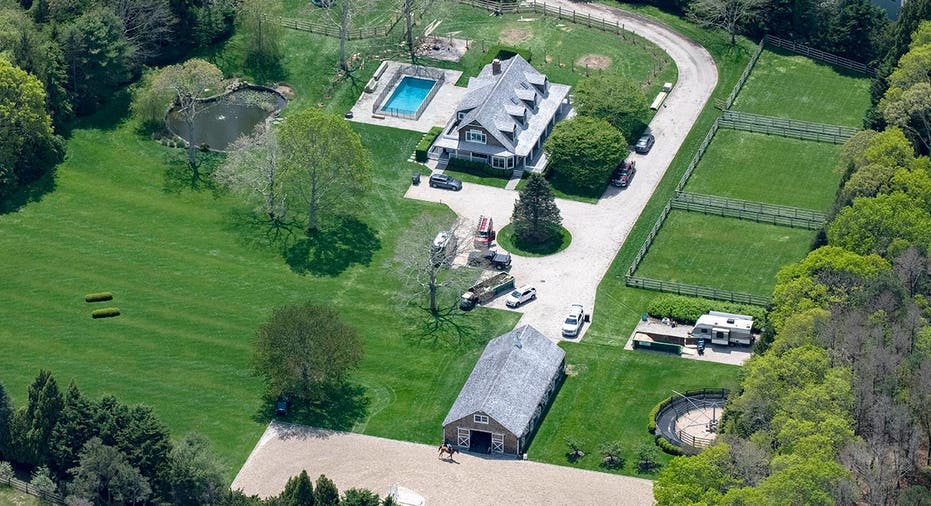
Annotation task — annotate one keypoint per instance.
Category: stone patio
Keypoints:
(437, 112)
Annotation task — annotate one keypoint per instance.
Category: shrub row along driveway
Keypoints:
(598, 231)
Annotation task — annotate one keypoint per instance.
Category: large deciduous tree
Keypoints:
(325, 166)
(253, 169)
(728, 15)
(28, 147)
(343, 14)
(189, 83)
(305, 349)
(148, 26)
(536, 218)
(615, 99)
(583, 151)
(105, 476)
(195, 473)
(423, 266)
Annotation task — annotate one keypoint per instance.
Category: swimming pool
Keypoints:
(408, 96)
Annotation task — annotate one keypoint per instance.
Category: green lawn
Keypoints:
(788, 85)
(194, 278)
(723, 253)
(629, 384)
(558, 48)
(768, 168)
(11, 497)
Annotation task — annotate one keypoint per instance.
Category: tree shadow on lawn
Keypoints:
(450, 326)
(29, 193)
(341, 408)
(180, 177)
(339, 244)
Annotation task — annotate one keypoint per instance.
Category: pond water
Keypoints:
(226, 118)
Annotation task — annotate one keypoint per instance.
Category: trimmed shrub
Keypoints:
(420, 152)
(98, 297)
(505, 52)
(651, 423)
(668, 447)
(478, 168)
(686, 309)
(107, 312)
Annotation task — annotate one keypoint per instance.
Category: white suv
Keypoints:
(521, 295)
(573, 323)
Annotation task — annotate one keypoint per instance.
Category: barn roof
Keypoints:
(510, 379)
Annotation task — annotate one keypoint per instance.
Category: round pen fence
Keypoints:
(690, 420)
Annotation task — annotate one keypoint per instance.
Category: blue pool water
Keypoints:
(409, 94)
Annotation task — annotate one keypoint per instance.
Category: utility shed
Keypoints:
(502, 402)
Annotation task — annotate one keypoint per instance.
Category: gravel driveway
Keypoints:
(598, 231)
(354, 460)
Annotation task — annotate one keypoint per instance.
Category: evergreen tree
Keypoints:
(360, 497)
(75, 427)
(326, 493)
(536, 218)
(299, 491)
(6, 415)
(40, 417)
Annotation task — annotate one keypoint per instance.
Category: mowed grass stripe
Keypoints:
(792, 86)
(723, 253)
(769, 169)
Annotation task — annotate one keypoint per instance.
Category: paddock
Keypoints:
(355, 460)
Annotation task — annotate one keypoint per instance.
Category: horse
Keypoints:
(447, 450)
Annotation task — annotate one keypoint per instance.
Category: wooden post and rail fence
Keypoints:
(28, 488)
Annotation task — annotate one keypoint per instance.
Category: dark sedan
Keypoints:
(623, 174)
(444, 181)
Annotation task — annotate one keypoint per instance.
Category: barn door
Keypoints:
(463, 439)
(497, 443)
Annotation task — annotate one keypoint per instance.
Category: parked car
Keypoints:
(282, 404)
(523, 294)
(644, 144)
(444, 181)
(500, 260)
(623, 174)
(573, 323)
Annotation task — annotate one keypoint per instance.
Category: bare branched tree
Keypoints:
(343, 14)
(147, 25)
(253, 169)
(423, 261)
(728, 15)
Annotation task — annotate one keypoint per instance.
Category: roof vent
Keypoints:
(517, 343)
(496, 66)
(730, 320)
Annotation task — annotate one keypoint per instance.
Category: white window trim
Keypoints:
(480, 418)
(499, 162)
(476, 136)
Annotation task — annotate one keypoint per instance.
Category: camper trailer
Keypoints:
(724, 328)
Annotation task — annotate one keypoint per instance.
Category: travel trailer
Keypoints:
(724, 328)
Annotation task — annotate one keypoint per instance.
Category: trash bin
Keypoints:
(643, 317)
(415, 178)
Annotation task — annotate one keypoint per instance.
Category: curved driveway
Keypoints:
(598, 231)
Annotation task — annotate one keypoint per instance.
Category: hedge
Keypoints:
(478, 168)
(504, 53)
(107, 312)
(651, 423)
(668, 447)
(98, 297)
(686, 309)
(420, 152)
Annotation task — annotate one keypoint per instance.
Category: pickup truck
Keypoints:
(485, 290)
(489, 257)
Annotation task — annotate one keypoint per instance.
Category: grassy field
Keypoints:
(792, 86)
(11, 497)
(629, 384)
(723, 253)
(768, 168)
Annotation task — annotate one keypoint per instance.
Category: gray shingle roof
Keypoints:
(510, 379)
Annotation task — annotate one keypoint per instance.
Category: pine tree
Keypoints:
(326, 493)
(299, 491)
(6, 415)
(75, 426)
(536, 218)
(41, 416)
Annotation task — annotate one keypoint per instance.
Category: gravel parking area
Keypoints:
(598, 231)
(354, 460)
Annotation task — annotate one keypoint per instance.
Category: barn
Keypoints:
(502, 402)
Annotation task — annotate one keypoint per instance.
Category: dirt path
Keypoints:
(354, 460)
(598, 231)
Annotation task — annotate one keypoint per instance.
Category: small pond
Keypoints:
(225, 118)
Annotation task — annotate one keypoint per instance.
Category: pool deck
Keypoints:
(437, 112)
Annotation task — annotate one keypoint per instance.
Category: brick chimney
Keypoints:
(496, 66)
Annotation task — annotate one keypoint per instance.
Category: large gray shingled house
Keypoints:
(502, 402)
(504, 117)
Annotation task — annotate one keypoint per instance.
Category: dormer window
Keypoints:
(460, 115)
(475, 136)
